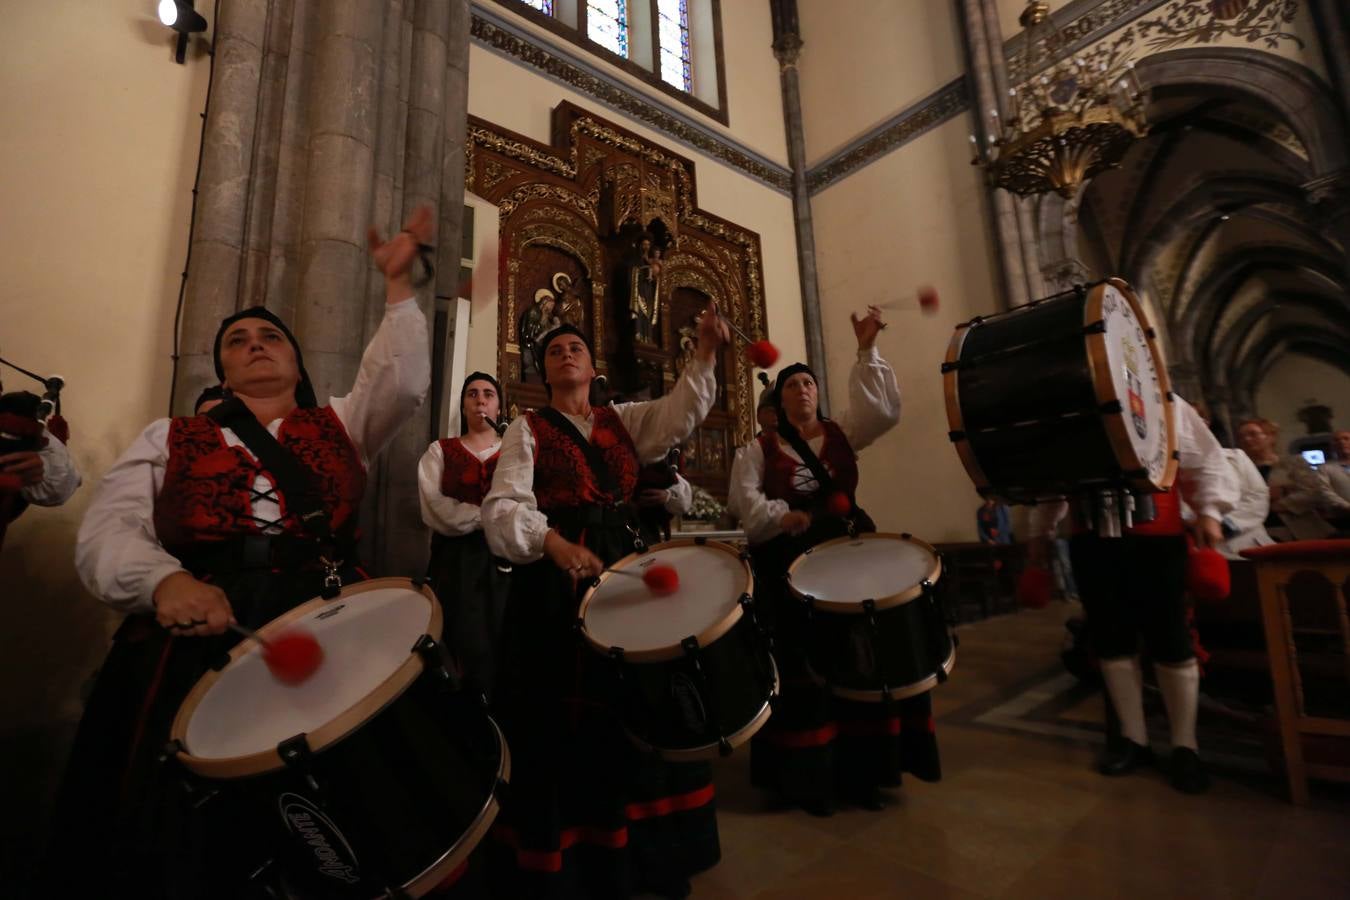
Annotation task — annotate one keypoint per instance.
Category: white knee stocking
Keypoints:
(1180, 686)
(1125, 685)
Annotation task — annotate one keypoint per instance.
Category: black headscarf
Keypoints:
(564, 328)
(463, 389)
(304, 391)
(785, 427)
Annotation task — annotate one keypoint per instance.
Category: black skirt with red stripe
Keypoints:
(587, 814)
(818, 749)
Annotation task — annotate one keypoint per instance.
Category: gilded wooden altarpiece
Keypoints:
(568, 216)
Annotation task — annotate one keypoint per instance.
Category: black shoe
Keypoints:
(1123, 756)
(1188, 773)
(821, 809)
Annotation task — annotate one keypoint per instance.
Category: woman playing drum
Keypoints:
(818, 749)
(588, 815)
(191, 532)
(452, 479)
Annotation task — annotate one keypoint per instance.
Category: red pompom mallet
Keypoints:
(293, 656)
(838, 504)
(1033, 587)
(661, 580)
(928, 299)
(1207, 575)
(762, 353)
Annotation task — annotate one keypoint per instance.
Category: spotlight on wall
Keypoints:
(182, 18)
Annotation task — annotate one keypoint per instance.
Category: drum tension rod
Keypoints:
(437, 659)
(295, 754)
(1097, 327)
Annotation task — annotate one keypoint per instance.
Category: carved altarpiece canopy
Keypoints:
(577, 223)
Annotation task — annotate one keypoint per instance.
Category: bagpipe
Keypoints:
(23, 415)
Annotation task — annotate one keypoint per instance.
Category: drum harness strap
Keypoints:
(604, 478)
(294, 481)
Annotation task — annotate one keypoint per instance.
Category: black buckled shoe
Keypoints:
(1123, 756)
(1188, 773)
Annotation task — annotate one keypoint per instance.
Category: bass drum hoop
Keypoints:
(849, 609)
(674, 651)
(1103, 386)
(333, 731)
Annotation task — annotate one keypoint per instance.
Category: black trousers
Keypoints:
(1132, 587)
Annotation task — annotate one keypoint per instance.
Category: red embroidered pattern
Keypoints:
(563, 480)
(835, 454)
(206, 493)
(465, 478)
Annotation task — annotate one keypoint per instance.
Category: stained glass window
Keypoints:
(673, 28)
(607, 24)
(544, 6)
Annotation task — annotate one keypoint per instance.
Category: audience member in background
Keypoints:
(1245, 525)
(1299, 496)
(993, 522)
(1338, 475)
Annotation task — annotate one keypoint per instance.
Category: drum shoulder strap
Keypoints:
(295, 481)
(604, 478)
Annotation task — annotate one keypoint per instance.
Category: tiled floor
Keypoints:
(1023, 815)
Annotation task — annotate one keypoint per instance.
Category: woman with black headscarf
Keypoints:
(453, 477)
(587, 815)
(191, 532)
(818, 750)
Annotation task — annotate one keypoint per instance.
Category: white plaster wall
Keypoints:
(914, 217)
(96, 167)
(754, 105)
(863, 61)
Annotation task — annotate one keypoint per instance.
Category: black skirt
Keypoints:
(472, 586)
(587, 813)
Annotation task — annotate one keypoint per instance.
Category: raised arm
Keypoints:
(512, 522)
(873, 393)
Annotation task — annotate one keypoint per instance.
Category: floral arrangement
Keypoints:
(704, 507)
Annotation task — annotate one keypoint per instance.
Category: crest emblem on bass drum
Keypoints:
(1135, 390)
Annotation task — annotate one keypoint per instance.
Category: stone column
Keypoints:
(216, 261)
(436, 115)
(787, 45)
(984, 96)
(339, 189)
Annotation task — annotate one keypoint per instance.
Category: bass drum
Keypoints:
(375, 777)
(1062, 395)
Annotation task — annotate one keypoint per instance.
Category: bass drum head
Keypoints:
(838, 575)
(1128, 368)
(620, 611)
(232, 720)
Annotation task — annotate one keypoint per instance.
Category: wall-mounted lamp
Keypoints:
(182, 18)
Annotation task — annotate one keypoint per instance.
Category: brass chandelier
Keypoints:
(1067, 121)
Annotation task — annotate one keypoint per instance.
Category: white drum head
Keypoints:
(847, 571)
(365, 638)
(1137, 382)
(621, 612)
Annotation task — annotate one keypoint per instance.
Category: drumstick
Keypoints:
(762, 353)
(926, 296)
(250, 633)
(660, 579)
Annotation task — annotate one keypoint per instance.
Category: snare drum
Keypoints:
(876, 629)
(375, 775)
(1065, 394)
(691, 673)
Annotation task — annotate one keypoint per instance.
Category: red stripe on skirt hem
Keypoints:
(667, 805)
(551, 860)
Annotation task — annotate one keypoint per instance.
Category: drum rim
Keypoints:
(331, 732)
(708, 636)
(874, 695)
(851, 608)
(1117, 433)
(460, 850)
(713, 751)
(956, 421)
